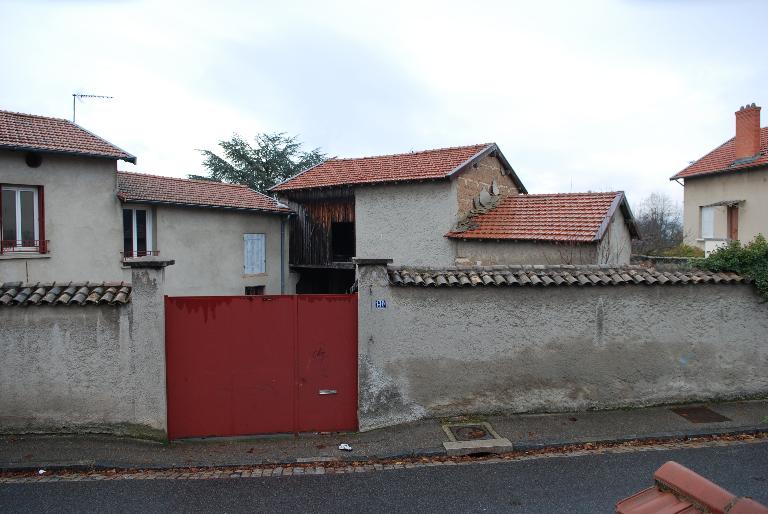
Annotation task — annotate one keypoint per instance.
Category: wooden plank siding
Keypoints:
(310, 235)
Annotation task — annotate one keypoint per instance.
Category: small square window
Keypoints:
(254, 290)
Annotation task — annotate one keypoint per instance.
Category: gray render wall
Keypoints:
(449, 351)
(82, 219)
(86, 369)
(492, 253)
(407, 222)
(208, 246)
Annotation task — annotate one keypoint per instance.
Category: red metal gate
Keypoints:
(241, 365)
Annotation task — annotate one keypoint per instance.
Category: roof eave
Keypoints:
(723, 171)
(20, 148)
(126, 199)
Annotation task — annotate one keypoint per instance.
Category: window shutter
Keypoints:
(707, 222)
(254, 253)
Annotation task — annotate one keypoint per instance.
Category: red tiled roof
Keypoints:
(19, 131)
(425, 165)
(545, 217)
(722, 159)
(140, 187)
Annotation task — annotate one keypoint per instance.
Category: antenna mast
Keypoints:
(75, 96)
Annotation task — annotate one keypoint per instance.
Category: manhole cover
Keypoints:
(470, 432)
(700, 415)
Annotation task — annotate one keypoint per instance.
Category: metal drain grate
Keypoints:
(700, 415)
(470, 432)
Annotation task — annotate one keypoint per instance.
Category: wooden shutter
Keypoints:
(254, 253)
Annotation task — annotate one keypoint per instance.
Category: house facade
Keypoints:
(416, 208)
(726, 191)
(67, 214)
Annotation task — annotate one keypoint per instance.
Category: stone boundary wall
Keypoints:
(91, 368)
(484, 348)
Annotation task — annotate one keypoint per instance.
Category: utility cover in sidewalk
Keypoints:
(467, 438)
(699, 415)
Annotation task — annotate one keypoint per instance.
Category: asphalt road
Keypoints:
(563, 484)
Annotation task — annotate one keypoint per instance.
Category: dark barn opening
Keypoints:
(342, 241)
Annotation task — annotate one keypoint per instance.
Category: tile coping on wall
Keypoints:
(543, 275)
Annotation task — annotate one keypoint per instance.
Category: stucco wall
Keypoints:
(82, 219)
(207, 245)
(86, 369)
(491, 253)
(406, 222)
(468, 184)
(750, 186)
(449, 351)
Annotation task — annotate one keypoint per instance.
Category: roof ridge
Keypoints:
(17, 113)
(201, 181)
(461, 147)
(585, 193)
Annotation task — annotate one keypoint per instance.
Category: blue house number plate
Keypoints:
(380, 304)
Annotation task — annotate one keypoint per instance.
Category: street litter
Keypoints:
(41, 472)
(345, 447)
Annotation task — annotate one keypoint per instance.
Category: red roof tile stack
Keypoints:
(19, 131)
(575, 217)
(678, 490)
(426, 165)
(723, 159)
(140, 187)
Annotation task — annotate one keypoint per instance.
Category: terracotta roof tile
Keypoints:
(544, 217)
(425, 165)
(141, 187)
(554, 276)
(64, 293)
(722, 159)
(19, 131)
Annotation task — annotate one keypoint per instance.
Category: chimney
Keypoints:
(747, 131)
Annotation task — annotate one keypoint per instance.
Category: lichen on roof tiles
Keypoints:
(64, 293)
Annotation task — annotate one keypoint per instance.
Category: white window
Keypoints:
(707, 222)
(137, 232)
(255, 256)
(20, 222)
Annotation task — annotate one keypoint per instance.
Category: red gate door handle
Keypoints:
(327, 391)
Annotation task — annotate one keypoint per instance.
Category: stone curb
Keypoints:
(96, 465)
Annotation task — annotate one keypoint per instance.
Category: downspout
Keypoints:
(283, 219)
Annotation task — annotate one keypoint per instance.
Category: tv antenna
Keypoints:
(80, 96)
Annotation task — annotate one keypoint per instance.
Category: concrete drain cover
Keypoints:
(468, 438)
(700, 415)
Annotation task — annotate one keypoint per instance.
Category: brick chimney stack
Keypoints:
(747, 131)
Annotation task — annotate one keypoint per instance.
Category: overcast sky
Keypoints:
(587, 95)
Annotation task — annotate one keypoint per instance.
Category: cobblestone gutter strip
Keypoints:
(336, 467)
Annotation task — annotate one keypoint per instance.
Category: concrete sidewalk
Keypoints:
(526, 432)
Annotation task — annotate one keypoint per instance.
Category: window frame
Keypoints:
(38, 217)
(134, 233)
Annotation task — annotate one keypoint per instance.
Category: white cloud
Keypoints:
(580, 95)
